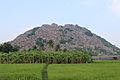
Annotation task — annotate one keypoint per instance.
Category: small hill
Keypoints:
(69, 37)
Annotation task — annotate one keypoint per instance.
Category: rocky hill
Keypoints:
(69, 37)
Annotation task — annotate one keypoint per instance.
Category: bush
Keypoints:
(7, 47)
(88, 33)
(40, 41)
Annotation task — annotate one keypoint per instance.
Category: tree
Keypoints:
(6, 47)
(51, 43)
(64, 50)
(40, 43)
(57, 47)
(34, 47)
(16, 48)
(1, 48)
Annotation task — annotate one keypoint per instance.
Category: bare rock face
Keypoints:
(69, 37)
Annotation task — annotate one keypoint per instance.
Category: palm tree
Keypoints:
(42, 46)
(50, 44)
(0, 57)
(57, 47)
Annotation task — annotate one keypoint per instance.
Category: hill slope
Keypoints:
(68, 36)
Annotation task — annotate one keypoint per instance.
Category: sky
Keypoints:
(102, 17)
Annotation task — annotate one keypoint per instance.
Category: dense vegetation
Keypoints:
(100, 70)
(6, 48)
(36, 56)
(39, 55)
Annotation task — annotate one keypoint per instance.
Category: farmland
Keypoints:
(99, 70)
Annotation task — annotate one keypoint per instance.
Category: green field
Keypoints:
(99, 70)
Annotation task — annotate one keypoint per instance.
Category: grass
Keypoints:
(99, 70)
(20, 71)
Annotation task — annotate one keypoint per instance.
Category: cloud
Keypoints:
(116, 7)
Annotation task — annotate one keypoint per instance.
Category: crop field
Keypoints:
(20, 71)
(99, 70)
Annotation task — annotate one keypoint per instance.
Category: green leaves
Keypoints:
(40, 41)
(52, 57)
(7, 47)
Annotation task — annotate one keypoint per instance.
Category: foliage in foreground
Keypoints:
(52, 57)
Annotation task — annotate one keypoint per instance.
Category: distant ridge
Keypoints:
(69, 37)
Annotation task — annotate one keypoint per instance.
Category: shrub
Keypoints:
(40, 41)
(88, 33)
(7, 47)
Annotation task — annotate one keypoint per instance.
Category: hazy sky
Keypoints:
(102, 17)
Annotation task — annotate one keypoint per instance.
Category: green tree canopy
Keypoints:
(7, 47)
